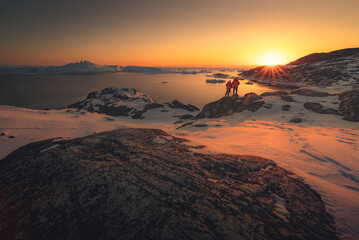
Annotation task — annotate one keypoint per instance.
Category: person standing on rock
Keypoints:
(228, 86)
(235, 84)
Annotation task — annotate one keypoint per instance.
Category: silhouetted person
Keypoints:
(228, 86)
(235, 84)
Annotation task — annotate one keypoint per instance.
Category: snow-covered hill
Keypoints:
(77, 68)
(128, 102)
(318, 69)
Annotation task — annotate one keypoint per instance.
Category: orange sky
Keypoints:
(173, 33)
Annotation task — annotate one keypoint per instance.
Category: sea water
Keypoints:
(56, 91)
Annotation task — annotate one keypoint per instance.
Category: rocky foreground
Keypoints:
(146, 184)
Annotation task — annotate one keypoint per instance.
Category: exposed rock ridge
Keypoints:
(349, 105)
(228, 105)
(146, 184)
(125, 102)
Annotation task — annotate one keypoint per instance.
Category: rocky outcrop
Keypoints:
(286, 107)
(276, 93)
(125, 102)
(177, 104)
(146, 184)
(349, 105)
(295, 120)
(114, 101)
(311, 93)
(228, 105)
(318, 108)
(287, 98)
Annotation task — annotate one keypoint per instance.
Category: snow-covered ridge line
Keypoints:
(320, 69)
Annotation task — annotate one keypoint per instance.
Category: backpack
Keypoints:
(235, 83)
(229, 84)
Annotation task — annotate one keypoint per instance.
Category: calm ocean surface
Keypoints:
(55, 91)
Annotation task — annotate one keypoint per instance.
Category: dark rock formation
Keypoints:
(188, 107)
(277, 93)
(138, 114)
(287, 98)
(295, 120)
(125, 102)
(228, 105)
(185, 124)
(318, 108)
(145, 184)
(349, 105)
(200, 125)
(310, 93)
(186, 116)
(286, 107)
(268, 105)
(113, 101)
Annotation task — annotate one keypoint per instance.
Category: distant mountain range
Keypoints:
(82, 67)
(317, 69)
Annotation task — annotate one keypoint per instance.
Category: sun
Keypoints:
(271, 62)
(272, 59)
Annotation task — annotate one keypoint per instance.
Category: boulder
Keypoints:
(296, 120)
(146, 184)
(228, 105)
(318, 108)
(286, 107)
(349, 105)
(287, 98)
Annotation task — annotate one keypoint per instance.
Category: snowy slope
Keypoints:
(322, 151)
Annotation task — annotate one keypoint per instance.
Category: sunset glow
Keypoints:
(272, 62)
(170, 33)
(271, 59)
